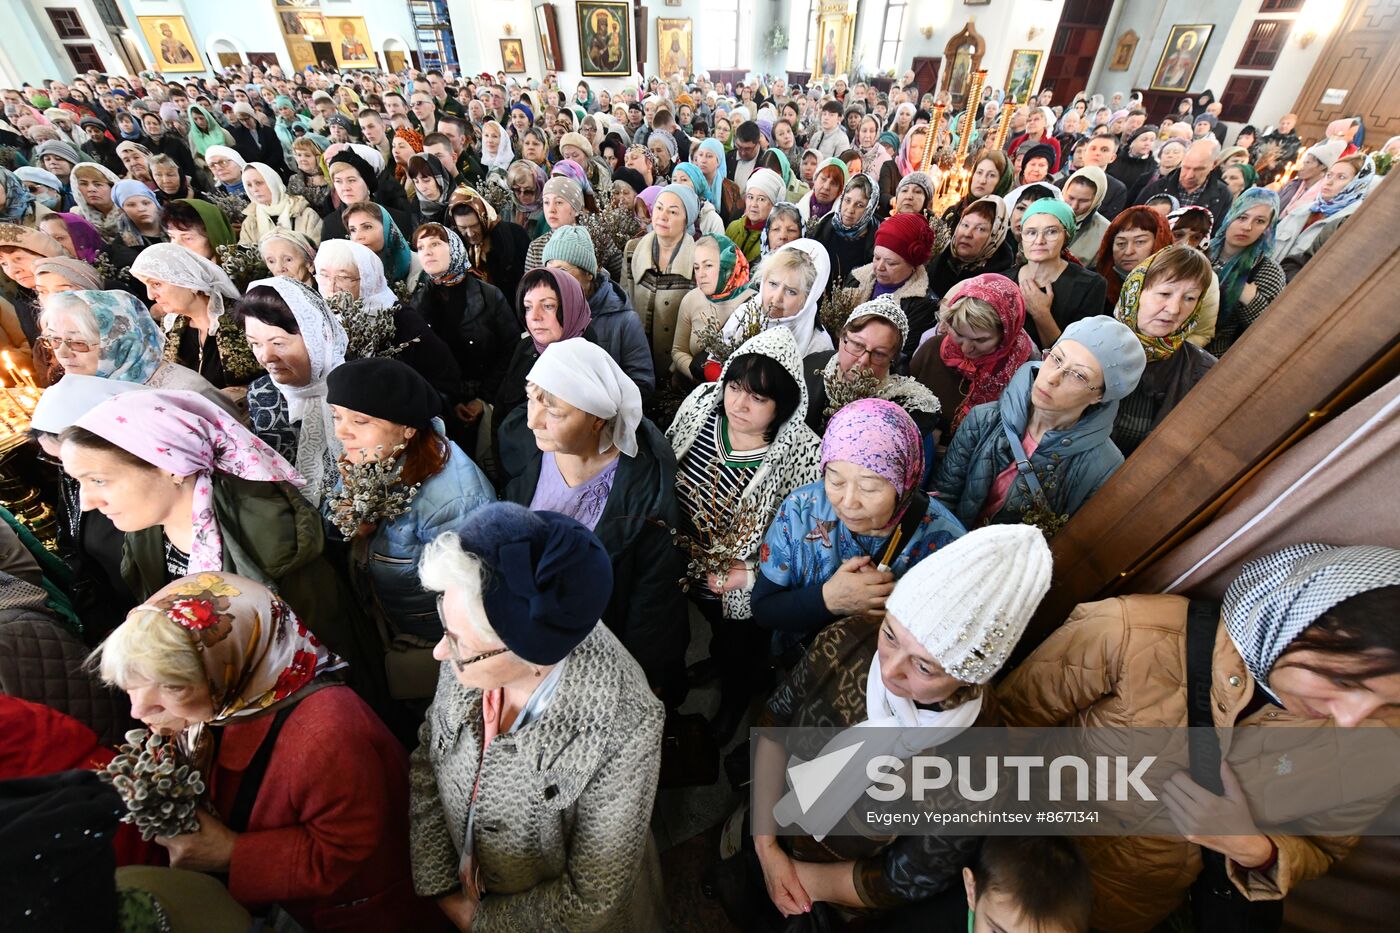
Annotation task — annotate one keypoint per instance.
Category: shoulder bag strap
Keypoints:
(253, 776)
(1023, 464)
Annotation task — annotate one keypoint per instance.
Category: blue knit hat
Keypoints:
(573, 245)
(1115, 346)
(688, 198)
(548, 578)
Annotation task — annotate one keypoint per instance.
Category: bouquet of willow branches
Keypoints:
(371, 491)
(161, 792)
(835, 309)
(720, 347)
(723, 524)
(243, 264)
(842, 390)
(108, 269)
(231, 206)
(370, 330)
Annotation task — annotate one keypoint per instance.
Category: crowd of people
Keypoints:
(400, 426)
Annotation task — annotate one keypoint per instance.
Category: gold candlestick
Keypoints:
(973, 99)
(931, 139)
(1004, 126)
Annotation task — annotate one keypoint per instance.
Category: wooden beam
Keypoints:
(1334, 327)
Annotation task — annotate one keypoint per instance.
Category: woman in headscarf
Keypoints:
(901, 680)
(227, 164)
(1347, 182)
(521, 118)
(721, 279)
(1305, 644)
(17, 205)
(205, 131)
(357, 177)
(286, 252)
(524, 204)
(534, 147)
(828, 182)
(525, 661)
(296, 338)
(741, 446)
(764, 189)
(992, 176)
(911, 150)
(497, 153)
(836, 545)
(1238, 177)
(77, 236)
(51, 276)
(432, 186)
(190, 292)
(20, 248)
(198, 226)
(978, 246)
(794, 187)
(92, 185)
(1057, 291)
(140, 224)
(849, 231)
(1161, 301)
(791, 283)
(783, 227)
(553, 308)
(707, 219)
(310, 177)
(1249, 277)
(581, 447)
(980, 345)
(1054, 417)
(219, 650)
(495, 248)
(271, 206)
(370, 225)
(1135, 234)
(659, 267)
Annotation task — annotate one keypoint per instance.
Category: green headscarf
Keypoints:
(1057, 209)
(202, 140)
(845, 172)
(733, 268)
(216, 227)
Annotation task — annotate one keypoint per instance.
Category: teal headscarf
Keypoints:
(784, 166)
(395, 255)
(1234, 272)
(697, 182)
(132, 346)
(715, 191)
(203, 139)
(733, 268)
(1057, 209)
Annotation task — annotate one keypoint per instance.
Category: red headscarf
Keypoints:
(1136, 218)
(988, 375)
(415, 142)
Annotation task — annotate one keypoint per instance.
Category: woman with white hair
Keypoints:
(271, 207)
(581, 447)
(190, 293)
(286, 252)
(530, 680)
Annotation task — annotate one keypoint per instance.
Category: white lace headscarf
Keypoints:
(279, 212)
(345, 254)
(317, 446)
(178, 266)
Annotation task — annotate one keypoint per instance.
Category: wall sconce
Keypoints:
(1033, 32)
(1317, 18)
(1306, 37)
(927, 31)
(508, 29)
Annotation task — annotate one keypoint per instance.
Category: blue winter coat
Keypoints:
(1071, 464)
(619, 330)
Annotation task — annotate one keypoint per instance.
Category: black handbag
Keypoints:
(1217, 906)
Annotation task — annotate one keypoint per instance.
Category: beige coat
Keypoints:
(657, 295)
(1120, 663)
(298, 217)
(564, 807)
(695, 309)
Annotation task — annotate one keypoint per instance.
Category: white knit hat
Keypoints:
(969, 602)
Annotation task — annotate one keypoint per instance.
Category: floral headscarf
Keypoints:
(87, 242)
(415, 142)
(1129, 300)
(131, 345)
(1234, 271)
(186, 434)
(457, 263)
(733, 268)
(906, 161)
(1000, 224)
(989, 375)
(17, 197)
(878, 436)
(872, 202)
(527, 213)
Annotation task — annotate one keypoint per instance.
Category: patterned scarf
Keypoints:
(988, 376)
(1129, 300)
(131, 345)
(1233, 272)
(457, 263)
(1355, 190)
(733, 268)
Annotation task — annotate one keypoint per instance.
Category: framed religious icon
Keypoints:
(1123, 52)
(673, 46)
(547, 26)
(1181, 57)
(304, 24)
(172, 46)
(605, 38)
(1020, 77)
(349, 38)
(834, 35)
(513, 56)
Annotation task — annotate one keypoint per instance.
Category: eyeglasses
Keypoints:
(218, 163)
(53, 343)
(1043, 233)
(1057, 360)
(339, 279)
(522, 190)
(457, 659)
(857, 349)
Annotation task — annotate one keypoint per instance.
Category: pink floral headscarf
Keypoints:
(878, 436)
(186, 434)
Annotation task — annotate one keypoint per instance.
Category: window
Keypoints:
(1263, 45)
(1280, 6)
(67, 23)
(809, 36)
(893, 38)
(724, 32)
(84, 58)
(1240, 97)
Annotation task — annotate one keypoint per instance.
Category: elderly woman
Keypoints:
(527, 666)
(194, 492)
(581, 447)
(658, 269)
(828, 182)
(495, 248)
(20, 248)
(524, 203)
(837, 545)
(370, 225)
(791, 283)
(1304, 641)
(867, 349)
(721, 278)
(286, 252)
(271, 207)
(1161, 301)
(784, 226)
(355, 179)
(925, 662)
(266, 682)
(849, 231)
(564, 207)
(198, 226)
(190, 292)
(1249, 277)
(979, 245)
(226, 165)
(1135, 234)
(382, 409)
(741, 447)
(1042, 449)
(764, 189)
(1057, 291)
(296, 338)
(980, 344)
(899, 271)
(1040, 125)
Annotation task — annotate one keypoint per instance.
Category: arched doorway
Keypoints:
(224, 53)
(395, 55)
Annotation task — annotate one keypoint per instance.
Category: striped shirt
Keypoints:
(712, 477)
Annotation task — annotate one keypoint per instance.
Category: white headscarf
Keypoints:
(505, 153)
(584, 375)
(228, 152)
(279, 212)
(344, 254)
(80, 205)
(178, 266)
(325, 339)
(810, 336)
(73, 396)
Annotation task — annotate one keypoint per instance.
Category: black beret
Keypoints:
(383, 387)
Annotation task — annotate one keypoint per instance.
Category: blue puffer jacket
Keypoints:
(440, 505)
(620, 332)
(1071, 464)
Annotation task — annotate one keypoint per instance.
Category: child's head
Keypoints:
(1029, 884)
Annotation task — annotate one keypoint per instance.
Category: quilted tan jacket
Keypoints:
(1122, 662)
(564, 807)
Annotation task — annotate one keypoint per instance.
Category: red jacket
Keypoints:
(327, 837)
